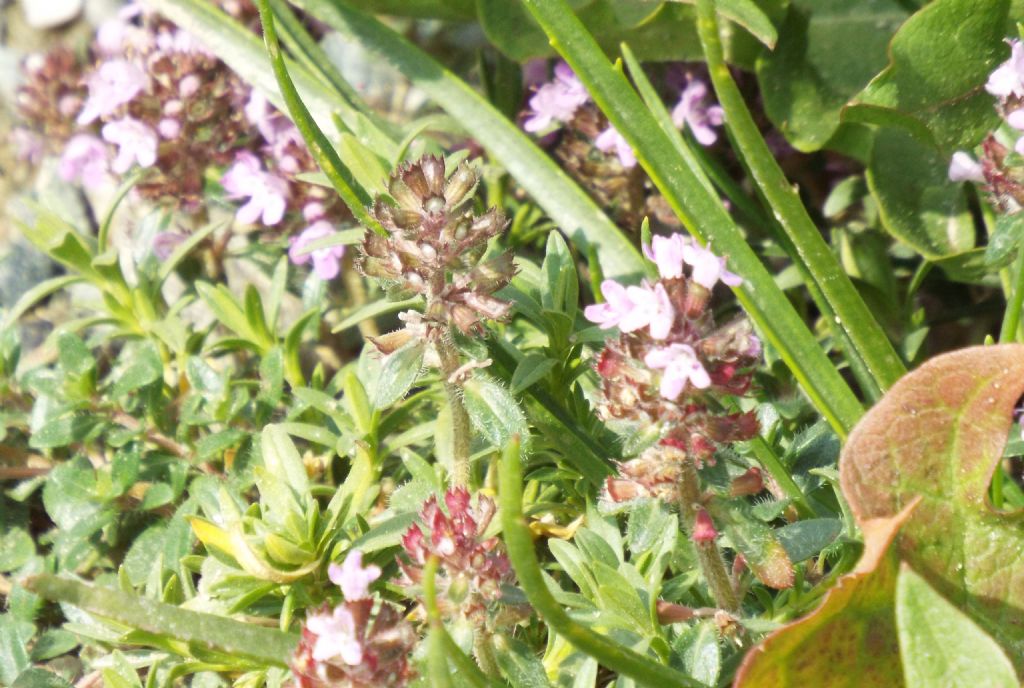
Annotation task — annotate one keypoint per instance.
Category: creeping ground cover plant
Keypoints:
(559, 343)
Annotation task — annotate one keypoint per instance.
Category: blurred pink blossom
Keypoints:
(681, 367)
(267, 194)
(557, 100)
(694, 112)
(115, 83)
(352, 577)
(136, 142)
(667, 253)
(708, 268)
(84, 160)
(611, 140)
(336, 636)
(1008, 78)
(964, 168)
(326, 261)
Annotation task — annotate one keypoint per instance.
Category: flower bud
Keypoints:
(460, 185)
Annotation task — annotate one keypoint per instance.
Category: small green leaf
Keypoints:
(282, 460)
(142, 366)
(493, 410)
(518, 664)
(940, 645)
(531, 369)
(803, 539)
(398, 373)
(39, 678)
(16, 548)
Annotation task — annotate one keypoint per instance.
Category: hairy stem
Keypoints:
(483, 650)
(460, 419)
(708, 555)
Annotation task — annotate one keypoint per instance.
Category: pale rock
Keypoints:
(47, 14)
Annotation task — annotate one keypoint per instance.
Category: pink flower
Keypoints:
(164, 244)
(1016, 120)
(610, 139)
(557, 100)
(136, 142)
(693, 112)
(633, 308)
(267, 194)
(84, 160)
(703, 527)
(353, 579)
(1008, 78)
(336, 636)
(28, 145)
(667, 254)
(708, 268)
(326, 261)
(964, 168)
(651, 307)
(681, 367)
(115, 83)
(616, 306)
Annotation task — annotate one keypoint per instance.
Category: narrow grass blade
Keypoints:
(869, 341)
(206, 630)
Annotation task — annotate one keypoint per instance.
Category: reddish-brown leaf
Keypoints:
(939, 434)
(850, 640)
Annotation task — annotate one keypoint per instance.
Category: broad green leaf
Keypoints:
(940, 60)
(39, 678)
(804, 539)
(567, 204)
(938, 435)
(698, 646)
(398, 372)
(813, 73)
(917, 202)
(14, 638)
(940, 645)
(204, 630)
(493, 410)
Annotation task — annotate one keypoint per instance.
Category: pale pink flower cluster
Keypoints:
(267, 193)
(556, 102)
(326, 261)
(693, 111)
(336, 631)
(634, 308)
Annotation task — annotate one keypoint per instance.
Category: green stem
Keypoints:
(437, 661)
(519, 542)
(685, 187)
(869, 340)
(1011, 319)
(460, 419)
(708, 555)
(767, 457)
(341, 178)
(483, 650)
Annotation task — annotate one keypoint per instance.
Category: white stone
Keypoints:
(47, 14)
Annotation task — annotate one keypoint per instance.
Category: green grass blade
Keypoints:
(567, 204)
(342, 179)
(702, 213)
(868, 339)
(206, 630)
(519, 541)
